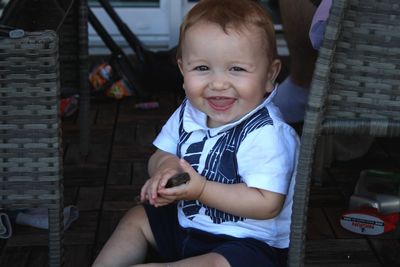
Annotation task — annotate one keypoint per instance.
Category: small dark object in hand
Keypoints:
(180, 178)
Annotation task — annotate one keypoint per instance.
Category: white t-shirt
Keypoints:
(259, 150)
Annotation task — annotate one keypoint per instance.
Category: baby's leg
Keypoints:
(209, 260)
(129, 242)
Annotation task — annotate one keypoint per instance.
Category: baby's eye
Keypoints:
(236, 68)
(201, 68)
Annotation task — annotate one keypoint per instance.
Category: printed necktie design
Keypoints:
(220, 164)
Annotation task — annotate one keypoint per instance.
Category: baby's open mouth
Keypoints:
(220, 103)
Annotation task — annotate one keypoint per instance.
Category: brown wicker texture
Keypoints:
(30, 135)
(355, 90)
(69, 19)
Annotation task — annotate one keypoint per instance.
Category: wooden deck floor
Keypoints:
(104, 185)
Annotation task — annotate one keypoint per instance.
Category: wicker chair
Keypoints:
(30, 135)
(355, 91)
(68, 18)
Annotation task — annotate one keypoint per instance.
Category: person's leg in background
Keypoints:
(292, 94)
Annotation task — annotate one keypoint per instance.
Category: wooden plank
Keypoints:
(83, 230)
(387, 250)
(145, 133)
(78, 255)
(27, 236)
(120, 198)
(89, 198)
(94, 109)
(107, 111)
(38, 256)
(119, 173)
(70, 133)
(15, 257)
(72, 155)
(318, 226)
(125, 133)
(121, 205)
(3, 243)
(99, 153)
(101, 134)
(70, 195)
(140, 116)
(140, 174)
(340, 252)
(327, 197)
(391, 146)
(120, 193)
(127, 108)
(134, 152)
(28, 240)
(76, 175)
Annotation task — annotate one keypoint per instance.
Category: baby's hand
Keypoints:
(190, 190)
(149, 191)
(176, 180)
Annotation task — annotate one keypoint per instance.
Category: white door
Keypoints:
(155, 23)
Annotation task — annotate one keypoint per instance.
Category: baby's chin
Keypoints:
(217, 121)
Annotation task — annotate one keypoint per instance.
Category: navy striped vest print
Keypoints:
(221, 164)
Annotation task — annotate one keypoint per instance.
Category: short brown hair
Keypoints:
(232, 14)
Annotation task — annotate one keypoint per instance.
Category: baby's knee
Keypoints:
(97, 263)
(217, 260)
(135, 216)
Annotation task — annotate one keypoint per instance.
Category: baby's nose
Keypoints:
(219, 83)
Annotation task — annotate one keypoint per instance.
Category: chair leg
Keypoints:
(322, 159)
(56, 233)
(296, 255)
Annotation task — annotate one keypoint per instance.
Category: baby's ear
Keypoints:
(273, 72)
(180, 65)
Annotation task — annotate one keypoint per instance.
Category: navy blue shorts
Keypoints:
(176, 243)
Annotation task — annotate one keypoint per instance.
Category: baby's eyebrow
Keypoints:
(195, 62)
(233, 62)
(247, 65)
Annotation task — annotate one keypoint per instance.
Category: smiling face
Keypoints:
(226, 73)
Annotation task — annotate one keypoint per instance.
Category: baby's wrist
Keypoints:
(203, 186)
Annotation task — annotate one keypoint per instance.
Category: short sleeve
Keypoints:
(167, 140)
(267, 158)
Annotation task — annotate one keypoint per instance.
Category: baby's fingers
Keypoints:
(162, 201)
(152, 192)
(143, 192)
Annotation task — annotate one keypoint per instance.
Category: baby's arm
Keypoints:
(161, 166)
(237, 199)
(241, 200)
(164, 161)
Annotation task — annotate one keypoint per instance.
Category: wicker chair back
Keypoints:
(355, 91)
